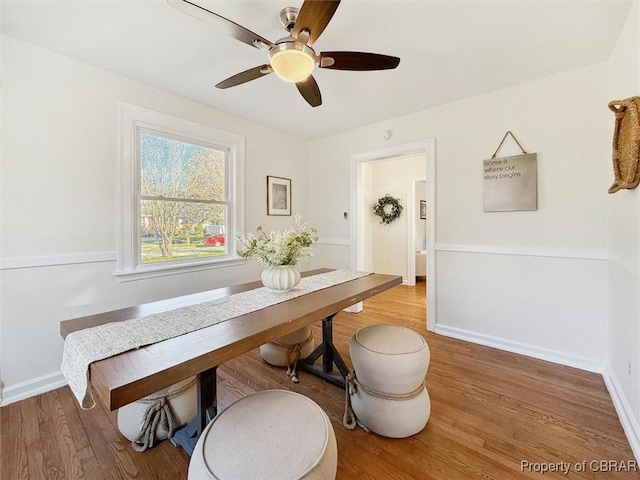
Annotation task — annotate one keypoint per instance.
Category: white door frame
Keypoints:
(412, 201)
(358, 209)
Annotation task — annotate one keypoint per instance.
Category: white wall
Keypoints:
(534, 282)
(623, 362)
(59, 208)
(389, 242)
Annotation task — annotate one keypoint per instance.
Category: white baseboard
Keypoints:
(625, 414)
(31, 388)
(521, 348)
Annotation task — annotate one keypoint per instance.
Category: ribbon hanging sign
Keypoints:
(510, 183)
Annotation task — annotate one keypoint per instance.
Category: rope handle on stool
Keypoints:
(294, 352)
(349, 420)
(157, 413)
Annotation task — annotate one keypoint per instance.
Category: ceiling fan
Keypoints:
(292, 58)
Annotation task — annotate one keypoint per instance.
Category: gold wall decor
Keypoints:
(626, 143)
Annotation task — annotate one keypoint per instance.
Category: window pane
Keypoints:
(181, 230)
(171, 168)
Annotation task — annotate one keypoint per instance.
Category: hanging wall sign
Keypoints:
(510, 183)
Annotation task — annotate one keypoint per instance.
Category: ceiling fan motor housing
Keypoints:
(288, 17)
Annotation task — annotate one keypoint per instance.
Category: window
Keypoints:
(183, 202)
(181, 197)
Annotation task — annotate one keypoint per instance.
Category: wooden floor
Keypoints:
(491, 410)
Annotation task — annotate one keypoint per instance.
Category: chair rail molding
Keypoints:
(341, 242)
(582, 254)
(631, 266)
(13, 263)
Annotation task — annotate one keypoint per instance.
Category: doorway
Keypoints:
(416, 229)
(360, 226)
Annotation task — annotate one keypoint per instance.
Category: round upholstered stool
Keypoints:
(387, 392)
(389, 358)
(288, 349)
(273, 434)
(181, 398)
(397, 417)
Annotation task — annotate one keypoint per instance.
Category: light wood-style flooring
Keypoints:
(491, 410)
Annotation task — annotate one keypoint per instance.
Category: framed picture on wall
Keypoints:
(423, 209)
(278, 196)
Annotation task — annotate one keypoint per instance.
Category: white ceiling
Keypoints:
(449, 50)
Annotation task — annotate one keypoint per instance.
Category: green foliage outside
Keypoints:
(151, 252)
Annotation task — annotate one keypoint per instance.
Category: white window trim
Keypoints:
(130, 119)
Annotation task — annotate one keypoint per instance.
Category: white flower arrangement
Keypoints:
(279, 247)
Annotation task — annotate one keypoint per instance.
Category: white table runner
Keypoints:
(83, 347)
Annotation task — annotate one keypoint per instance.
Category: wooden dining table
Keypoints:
(132, 375)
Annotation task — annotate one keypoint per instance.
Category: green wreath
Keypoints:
(387, 208)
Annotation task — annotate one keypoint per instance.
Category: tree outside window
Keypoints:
(183, 199)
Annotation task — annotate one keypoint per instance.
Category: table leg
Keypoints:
(187, 436)
(330, 357)
(207, 397)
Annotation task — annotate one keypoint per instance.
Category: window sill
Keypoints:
(143, 272)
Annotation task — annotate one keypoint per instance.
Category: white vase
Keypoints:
(280, 277)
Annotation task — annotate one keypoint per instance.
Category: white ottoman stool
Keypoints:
(396, 417)
(387, 392)
(273, 434)
(288, 349)
(181, 399)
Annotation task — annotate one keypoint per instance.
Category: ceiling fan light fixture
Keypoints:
(292, 61)
(291, 58)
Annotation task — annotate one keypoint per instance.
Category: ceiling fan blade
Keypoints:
(359, 61)
(314, 17)
(244, 77)
(310, 91)
(227, 26)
